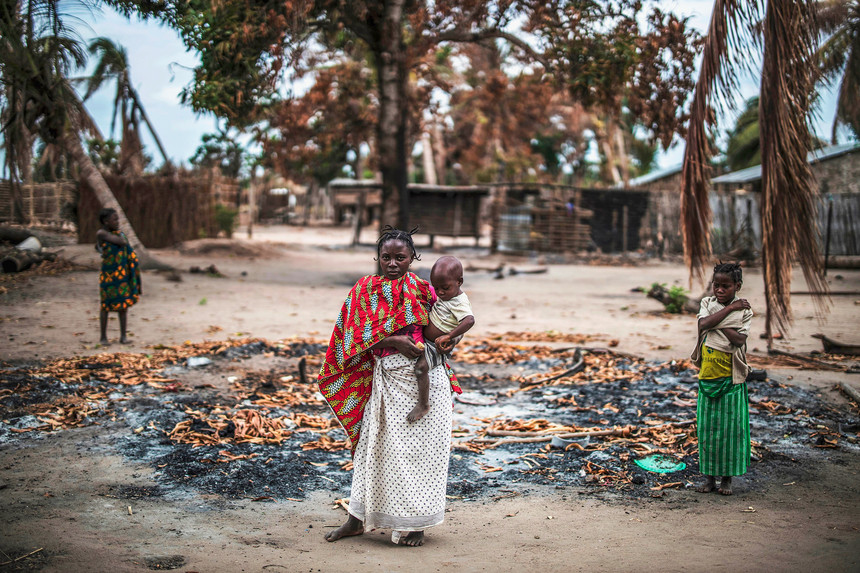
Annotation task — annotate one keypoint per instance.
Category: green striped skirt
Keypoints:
(723, 426)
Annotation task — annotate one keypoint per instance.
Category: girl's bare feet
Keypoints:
(353, 526)
(709, 485)
(417, 412)
(725, 485)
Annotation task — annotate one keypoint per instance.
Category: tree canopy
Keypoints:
(594, 50)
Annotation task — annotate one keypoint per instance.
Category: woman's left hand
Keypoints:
(405, 346)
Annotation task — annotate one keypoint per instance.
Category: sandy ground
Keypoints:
(52, 490)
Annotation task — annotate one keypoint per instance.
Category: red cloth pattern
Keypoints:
(375, 308)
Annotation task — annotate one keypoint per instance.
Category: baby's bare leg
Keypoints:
(422, 373)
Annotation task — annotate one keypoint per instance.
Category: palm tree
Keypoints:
(743, 147)
(789, 232)
(37, 52)
(839, 58)
(113, 65)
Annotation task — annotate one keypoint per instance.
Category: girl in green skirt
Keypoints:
(722, 413)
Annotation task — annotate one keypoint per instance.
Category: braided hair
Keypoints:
(732, 270)
(389, 233)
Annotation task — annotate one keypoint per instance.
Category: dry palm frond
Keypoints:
(839, 57)
(789, 213)
(730, 29)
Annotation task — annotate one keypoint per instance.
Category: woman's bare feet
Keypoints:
(725, 486)
(417, 412)
(413, 539)
(353, 526)
(709, 485)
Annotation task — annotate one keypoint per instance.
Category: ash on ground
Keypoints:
(245, 421)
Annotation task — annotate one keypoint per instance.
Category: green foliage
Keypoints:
(743, 148)
(222, 151)
(105, 154)
(225, 218)
(676, 296)
(644, 156)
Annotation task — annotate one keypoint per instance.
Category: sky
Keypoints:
(161, 67)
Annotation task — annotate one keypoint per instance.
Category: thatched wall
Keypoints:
(163, 209)
(43, 203)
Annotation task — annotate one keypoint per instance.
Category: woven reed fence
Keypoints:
(163, 209)
(43, 203)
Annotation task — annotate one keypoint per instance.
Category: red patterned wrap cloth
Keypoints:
(375, 308)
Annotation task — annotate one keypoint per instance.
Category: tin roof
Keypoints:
(751, 174)
(655, 175)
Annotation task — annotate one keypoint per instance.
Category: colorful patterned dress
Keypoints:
(722, 417)
(119, 282)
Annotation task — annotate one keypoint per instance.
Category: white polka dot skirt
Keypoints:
(401, 468)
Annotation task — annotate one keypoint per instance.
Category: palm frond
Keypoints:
(789, 190)
(730, 29)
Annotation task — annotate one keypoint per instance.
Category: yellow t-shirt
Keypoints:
(715, 363)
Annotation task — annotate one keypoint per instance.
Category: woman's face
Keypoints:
(394, 259)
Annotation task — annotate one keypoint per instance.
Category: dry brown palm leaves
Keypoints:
(788, 189)
(722, 59)
(249, 426)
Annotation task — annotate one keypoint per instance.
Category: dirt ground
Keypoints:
(88, 503)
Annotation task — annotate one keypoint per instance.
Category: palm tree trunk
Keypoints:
(148, 123)
(90, 173)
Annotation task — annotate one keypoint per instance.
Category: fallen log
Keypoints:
(852, 392)
(805, 359)
(527, 271)
(835, 347)
(674, 303)
(18, 261)
(842, 262)
(13, 234)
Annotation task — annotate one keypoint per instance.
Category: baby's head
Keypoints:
(446, 276)
(728, 278)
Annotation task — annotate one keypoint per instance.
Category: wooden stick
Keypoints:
(583, 434)
(578, 367)
(22, 557)
(852, 392)
(811, 361)
(534, 437)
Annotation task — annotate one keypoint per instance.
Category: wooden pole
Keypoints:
(359, 215)
(624, 228)
(251, 210)
(827, 233)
